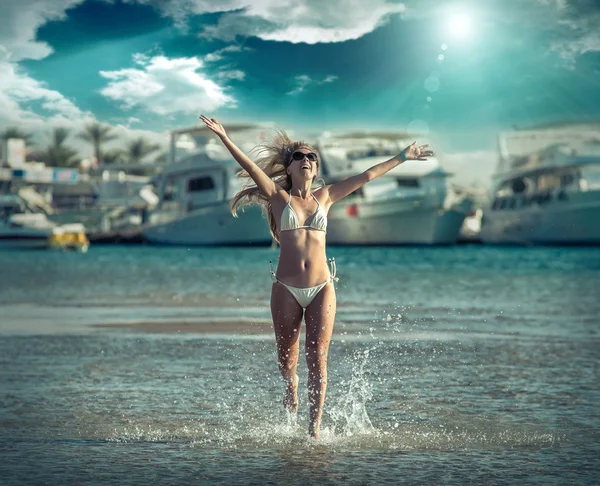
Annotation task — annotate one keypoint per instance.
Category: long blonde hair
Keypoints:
(274, 157)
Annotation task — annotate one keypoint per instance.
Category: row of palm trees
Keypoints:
(58, 154)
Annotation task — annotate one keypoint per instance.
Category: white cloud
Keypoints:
(19, 23)
(303, 81)
(226, 73)
(582, 35)
(17, 90)
(218, 55)
(12, 114)
(20, 20)
(316, 22)
(180, 10)
(300, 82)
(310, 21)
(231, 74)
(166, 86)
(572, 24)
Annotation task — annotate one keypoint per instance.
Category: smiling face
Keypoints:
(304, 164)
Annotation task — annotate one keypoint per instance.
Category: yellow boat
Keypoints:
(70, 237)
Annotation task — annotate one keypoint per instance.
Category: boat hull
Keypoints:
(572, 222)
(394, 222)
(212, 225)
(20, 242)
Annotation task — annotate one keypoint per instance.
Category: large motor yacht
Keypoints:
(195, 191)
(412, 204)
(546, 189)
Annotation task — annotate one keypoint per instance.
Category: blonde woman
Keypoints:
(284, 177)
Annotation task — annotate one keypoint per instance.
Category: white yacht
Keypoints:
(23, 226)
(412, 204)
(20, 229)
(195, 191)
(546, 189)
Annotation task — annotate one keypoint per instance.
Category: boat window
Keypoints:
(518, 185)
(407, 182)
(170, 192)
(567, 180)
(8, 210)
(200, 184)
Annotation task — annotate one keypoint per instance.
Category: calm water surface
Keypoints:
(447, 366)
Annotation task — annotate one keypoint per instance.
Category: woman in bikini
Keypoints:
(283, 179)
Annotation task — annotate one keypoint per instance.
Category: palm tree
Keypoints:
(57, 154)
(138, 149)
(97, 133)
(113, 157)
(163, 157)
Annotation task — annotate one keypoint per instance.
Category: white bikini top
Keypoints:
(289, 218)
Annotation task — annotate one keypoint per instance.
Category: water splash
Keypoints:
(349, 415)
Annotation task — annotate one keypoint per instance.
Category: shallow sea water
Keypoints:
(447, 366)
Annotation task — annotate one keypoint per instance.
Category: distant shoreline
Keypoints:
(192, 327)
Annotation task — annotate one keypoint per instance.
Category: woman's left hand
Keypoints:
(417, 152)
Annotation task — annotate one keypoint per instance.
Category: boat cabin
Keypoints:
(553, 175)
(195, 183)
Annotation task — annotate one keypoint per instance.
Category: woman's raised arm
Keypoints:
(265, 184)
(341, 189)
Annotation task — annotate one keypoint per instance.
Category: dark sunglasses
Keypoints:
(300, 156)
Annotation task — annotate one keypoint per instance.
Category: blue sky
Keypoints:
(459, 71)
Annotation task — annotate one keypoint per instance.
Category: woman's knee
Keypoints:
(316, 355)
(287, 357)
(286, 363)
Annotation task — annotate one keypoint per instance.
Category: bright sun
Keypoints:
(459, 25)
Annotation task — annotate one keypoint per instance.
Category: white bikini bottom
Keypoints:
(305, 295)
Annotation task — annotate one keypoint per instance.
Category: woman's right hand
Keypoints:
(214, 125)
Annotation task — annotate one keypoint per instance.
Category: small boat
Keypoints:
(22, 228)
(109, 204)
(470, 230)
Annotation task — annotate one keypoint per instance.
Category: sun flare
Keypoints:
(459, 25)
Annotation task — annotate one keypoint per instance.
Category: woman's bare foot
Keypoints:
(290, 398)
(314, 430)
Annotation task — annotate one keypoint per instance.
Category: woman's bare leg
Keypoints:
(287, 318)
(319, 317)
